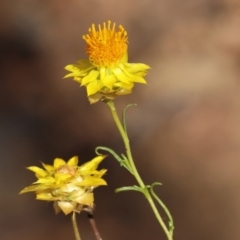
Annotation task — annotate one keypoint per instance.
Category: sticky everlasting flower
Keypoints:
(107, 73)
(70, 186)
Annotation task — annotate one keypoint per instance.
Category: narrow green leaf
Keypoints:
(124, 116)
(129, 188)
(123, 162)
(170, 222)
(109, 150)
(156, 184)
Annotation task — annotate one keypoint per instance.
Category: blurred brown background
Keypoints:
(185, 131)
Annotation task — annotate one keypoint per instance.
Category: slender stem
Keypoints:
(126, 142)
(75, 228)
(94, 226)
(164, 208)
(134, 169)
(159, 218)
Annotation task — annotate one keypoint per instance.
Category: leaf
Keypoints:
(124, 116)
(123, 162)
(156, 184)
(129, 188)
(170, 222)
(114, 154)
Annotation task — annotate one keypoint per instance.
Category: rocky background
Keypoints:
(185, 131)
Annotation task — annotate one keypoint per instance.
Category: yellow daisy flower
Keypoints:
(70, 186)
(107, 73)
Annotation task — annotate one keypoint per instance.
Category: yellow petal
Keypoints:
(73, 162)
(102, 72)
(62, 178)
(35, 188)
(45, 197)
(95, 98)
(120, 75)
(67, 207)
(58, 162)
(100, 173)
(49, 168)
(73, 74)
(45, 180)
(136, 67)
(92, 172)
(123, 91)
(81, 69)
(94, 87)
(78, 79)
(29, 189)
(92, 182)
(92, 76)
(85, 66)
(133, 77)
(73, 190)
(109, 80)
(93, 164)
(127, 86)
(72, 68)
(39, 171)
(85, 199)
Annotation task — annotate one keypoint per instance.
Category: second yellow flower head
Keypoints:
(70, 186)
(107, 73)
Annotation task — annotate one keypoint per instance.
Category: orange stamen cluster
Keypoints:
(106, 46)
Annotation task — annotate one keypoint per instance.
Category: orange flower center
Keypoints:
(65, 169)
(106, 46)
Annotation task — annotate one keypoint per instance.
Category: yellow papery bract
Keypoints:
(136, 67)
(109, 81)
(119, 74)
(124, 91)
(73, 161)
(94, 87)
(49, 168)
(62, 177)
(33, 188)
(46, 197)
(48, 180)
(91, 77)
(85, 199)
(131, 76)
(58, 162)
(107, 73)
(39, 171)
(67, 207)
(92, 165)
(124, 85)
(70, 186)
(92, 172)
(92, 181)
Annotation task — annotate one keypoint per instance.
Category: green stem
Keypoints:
(171, 225)
(134, 169)
(75, 228)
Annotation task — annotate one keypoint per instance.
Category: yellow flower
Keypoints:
(70, 186)
(107, 73)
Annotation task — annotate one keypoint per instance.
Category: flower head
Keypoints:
(70, 186)
(107, 73)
